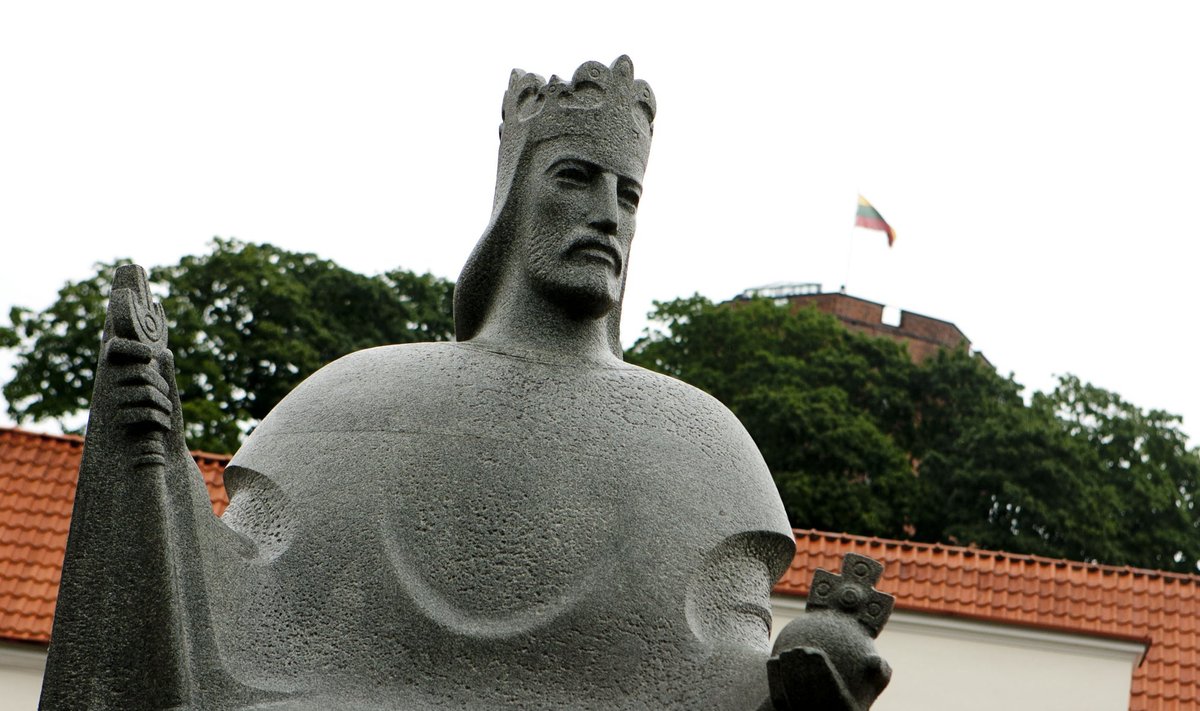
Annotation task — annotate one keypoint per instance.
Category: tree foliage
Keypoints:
(820, 403)
(861, 439)
(1142, 460)
(247, 323)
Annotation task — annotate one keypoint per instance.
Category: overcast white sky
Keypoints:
(1039, 160)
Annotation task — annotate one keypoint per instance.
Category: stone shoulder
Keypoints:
(399, 353)
(391, 361)
(369, 386)
(416, 358)
(681, 390)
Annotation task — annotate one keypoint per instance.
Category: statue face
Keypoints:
(575, 223)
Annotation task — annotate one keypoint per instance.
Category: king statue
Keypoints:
(517, 519)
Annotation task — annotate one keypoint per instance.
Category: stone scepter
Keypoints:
(131, 626)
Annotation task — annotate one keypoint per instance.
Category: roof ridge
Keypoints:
(40, 435)
(77, 439)
(212, 456)
(37, 546)
(29, 596)
(1003, 555)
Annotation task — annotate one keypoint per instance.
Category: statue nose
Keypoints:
(606, 206)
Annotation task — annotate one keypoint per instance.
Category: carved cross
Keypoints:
(853, 592)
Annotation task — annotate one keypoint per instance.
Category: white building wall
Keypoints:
(943, 663)
(21, 668)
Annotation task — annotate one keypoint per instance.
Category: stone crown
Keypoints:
(604, 102)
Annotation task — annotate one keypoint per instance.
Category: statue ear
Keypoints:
(804, 678)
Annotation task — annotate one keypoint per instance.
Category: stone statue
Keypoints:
(517, 519)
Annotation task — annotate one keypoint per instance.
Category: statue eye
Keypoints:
(630, 197)
(573, 174)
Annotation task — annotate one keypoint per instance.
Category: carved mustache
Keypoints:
(599, 243)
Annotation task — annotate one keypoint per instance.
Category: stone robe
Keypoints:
(441, 525)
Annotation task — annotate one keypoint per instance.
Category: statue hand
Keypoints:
(826, 659)
(142, 394)
(805, 678)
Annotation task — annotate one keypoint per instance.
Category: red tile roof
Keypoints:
(37, 490)
(1161, 609)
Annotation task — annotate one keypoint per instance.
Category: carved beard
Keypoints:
(582, 290)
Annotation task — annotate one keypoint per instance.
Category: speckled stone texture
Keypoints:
(515, 520)
(502, 530)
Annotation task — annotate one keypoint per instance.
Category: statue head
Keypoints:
(572, 156)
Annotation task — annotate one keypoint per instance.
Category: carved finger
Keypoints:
(166, 363)
(122, 351)
(142, 396)
(805, 678)
(143, 416)
(142, 374)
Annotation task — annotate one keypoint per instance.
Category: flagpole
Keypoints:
(867, 216)
(849, 258)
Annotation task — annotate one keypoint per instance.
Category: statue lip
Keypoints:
(596, 246)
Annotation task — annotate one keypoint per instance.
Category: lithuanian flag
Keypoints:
(870, 218)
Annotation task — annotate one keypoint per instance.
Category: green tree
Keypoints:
(825, 406)
(861, 439)
(998, 474)
(247, 324)
(1143, 464)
